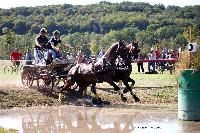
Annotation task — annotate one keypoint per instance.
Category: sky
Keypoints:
(6, 4)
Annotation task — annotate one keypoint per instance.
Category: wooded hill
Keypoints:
(103, 24)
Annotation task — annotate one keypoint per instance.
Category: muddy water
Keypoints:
(70, 119)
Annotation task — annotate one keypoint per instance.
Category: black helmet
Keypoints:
(43, 30)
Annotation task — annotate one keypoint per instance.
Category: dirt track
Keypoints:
(15, 84)
(151, 89)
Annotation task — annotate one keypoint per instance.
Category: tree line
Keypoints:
(103, 23)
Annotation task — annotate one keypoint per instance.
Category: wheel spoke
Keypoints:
(27, 78)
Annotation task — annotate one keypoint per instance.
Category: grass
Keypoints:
(2, 130)
(9, 76)
(153, 80)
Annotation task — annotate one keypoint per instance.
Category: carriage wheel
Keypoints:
(27, 78)
(47, 85)
(8, 70)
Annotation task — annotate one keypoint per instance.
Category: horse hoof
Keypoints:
(125, 91)
(61, 89)
(137, 99)
(79, 94)
(99, 101)
(124, 99)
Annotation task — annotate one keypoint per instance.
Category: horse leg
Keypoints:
(116, 88)
(133, 83)
(67, 85)
(93, 89)
(82, 89)
(129, 88)
(131, 80)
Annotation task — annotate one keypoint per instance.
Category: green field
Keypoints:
(142, 80)
(2, 130)
(8, 76)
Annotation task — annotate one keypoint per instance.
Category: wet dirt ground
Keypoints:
(160, 117)
(75, 119)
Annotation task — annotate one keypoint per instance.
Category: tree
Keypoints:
(9, 40)
(94, 48)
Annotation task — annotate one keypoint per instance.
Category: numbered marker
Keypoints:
(192, 47)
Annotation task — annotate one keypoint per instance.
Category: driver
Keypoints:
(40, 45)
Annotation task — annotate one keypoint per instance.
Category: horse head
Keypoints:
(133, 50)
(117, 49)
(129, 52)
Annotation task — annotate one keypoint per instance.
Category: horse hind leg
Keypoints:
(129, 88)
(116, 88)
(133, 83)
(82, 90)
(94, 91)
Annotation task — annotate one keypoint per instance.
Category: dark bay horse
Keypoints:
(103, 70)
(123, 69)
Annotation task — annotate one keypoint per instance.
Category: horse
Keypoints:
(123, 69)
(103, 70)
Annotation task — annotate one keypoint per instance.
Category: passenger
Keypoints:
(52, 45)
(40, 46)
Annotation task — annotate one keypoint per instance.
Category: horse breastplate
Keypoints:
(102, 65)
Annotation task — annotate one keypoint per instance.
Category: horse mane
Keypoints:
(107, 53)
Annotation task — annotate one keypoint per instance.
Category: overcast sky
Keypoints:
(6, 4)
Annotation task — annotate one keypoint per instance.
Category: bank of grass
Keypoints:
(2, 130)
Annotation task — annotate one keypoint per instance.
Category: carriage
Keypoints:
(46, 76)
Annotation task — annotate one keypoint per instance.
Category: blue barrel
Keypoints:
(189, 95)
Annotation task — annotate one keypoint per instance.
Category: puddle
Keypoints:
(71, 119)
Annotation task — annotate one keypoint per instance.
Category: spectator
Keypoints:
(29, 57)
(80, 57)
(15, 57)
(140, 63)
(151, 56)
(164, 53)
(158, 54)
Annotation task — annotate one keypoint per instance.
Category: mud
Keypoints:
(71, 119)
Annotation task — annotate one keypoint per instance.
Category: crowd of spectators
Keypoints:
(155, 54)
